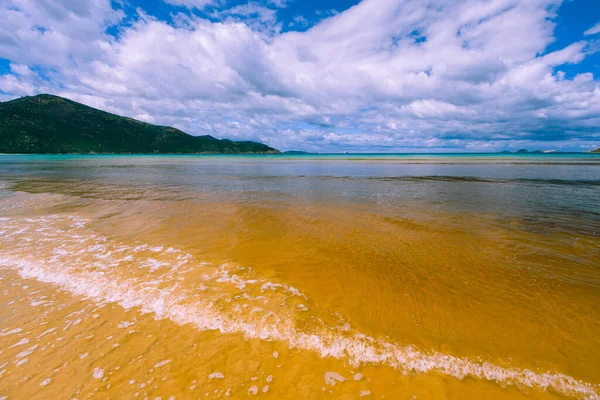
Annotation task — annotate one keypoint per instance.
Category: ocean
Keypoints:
(398, 276)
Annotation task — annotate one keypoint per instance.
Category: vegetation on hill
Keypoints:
(46, 124)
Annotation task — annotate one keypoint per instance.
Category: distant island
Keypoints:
(525, 151)
(47, 124)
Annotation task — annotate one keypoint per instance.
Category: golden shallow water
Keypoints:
(108, 296)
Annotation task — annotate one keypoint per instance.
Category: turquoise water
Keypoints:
(347, 156)
(558, 191)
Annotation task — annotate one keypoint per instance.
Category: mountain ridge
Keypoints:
(49, 124)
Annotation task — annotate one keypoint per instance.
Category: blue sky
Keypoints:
(332, 75)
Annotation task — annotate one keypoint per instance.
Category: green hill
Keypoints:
(46, 124)
(596, 151)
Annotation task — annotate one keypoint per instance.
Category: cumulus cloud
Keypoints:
(382, 75)
(593, 30)
(278, 3)
(254, 15)
(45, 32)
(197, 4)
(299, 20)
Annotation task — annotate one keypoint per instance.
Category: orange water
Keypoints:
(104, 296)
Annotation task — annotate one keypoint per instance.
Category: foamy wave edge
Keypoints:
(356, 348)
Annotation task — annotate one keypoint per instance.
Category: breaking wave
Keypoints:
(172, 284)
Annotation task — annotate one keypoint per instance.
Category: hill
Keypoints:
(46, 124)
(595, 151)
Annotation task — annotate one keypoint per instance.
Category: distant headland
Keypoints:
(47, 124)
(525, 151)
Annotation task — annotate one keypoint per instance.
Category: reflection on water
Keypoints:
(286, 277)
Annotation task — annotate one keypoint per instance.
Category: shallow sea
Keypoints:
(319, 276)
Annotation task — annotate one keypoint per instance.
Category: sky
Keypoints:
(325, 76)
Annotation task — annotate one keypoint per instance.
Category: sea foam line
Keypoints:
(168, 302)
(357, 349)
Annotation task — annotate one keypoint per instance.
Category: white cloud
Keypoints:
(299, 20)
(255, 16)
(278, 3)
(593, 30)
(419, 74)
(46, 32)
(22, 70)
(145, 118)
(198, 4)
(14, 85)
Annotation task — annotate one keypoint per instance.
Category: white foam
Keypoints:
(20, 343)
(100, 281)
(292, 290)
(21, 361)
(16, 330)
(5, 185)
(98, 373)
(236, 280)
(27, 352)
(161, 363)
(331, 378)
(45, 332)
(216, 375)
